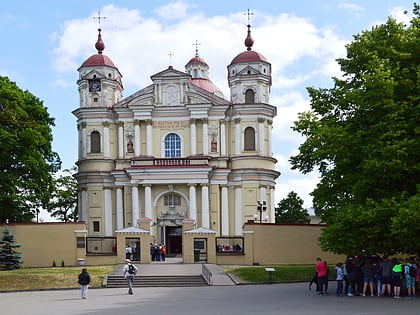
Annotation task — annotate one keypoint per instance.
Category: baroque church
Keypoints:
(176, 149)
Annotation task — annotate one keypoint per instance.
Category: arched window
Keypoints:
(172, 200)
(249, 139)
(172, 145)
(249, 96)
(95, 142)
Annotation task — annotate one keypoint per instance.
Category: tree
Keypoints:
(362, 136)
(9, 258)
(63, 204)
(27, 161)
(290, 210)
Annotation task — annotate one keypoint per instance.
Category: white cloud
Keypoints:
(351, 7)
(173, 11)
(401, 15)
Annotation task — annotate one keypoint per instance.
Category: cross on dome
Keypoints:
(196, 44)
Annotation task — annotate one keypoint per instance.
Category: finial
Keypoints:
(170, 58)
(100, 46)
(196, 44)
(249, 15)
(248, 40)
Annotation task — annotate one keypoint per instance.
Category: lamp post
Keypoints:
(261, 207)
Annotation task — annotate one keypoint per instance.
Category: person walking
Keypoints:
(129, 271)
(322, 270)
(83, 279)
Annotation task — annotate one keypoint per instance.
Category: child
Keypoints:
(339, 276)
(83, 279)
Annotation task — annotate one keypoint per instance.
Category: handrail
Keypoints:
(206, 273)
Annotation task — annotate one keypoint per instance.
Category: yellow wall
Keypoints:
(43, 243)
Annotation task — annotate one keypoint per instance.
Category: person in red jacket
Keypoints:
(321, 268)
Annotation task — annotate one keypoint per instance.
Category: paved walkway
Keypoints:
(275, 299)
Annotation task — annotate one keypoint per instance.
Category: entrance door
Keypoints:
(173, 240)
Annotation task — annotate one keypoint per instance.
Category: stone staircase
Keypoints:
(118, 281)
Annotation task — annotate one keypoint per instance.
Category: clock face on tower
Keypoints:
(94, 86)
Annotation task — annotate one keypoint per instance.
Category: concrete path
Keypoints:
(275, 299)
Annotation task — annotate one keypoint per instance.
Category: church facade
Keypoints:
(176, 149)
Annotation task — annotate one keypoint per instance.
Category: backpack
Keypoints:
(131, 269)
(412, 271)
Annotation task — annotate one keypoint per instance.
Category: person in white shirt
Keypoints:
(129, 271)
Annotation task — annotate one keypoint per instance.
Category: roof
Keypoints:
(207, 85)
(98, 60)
(196, 59)
(248, 56)
(200, 230)
(133, 230)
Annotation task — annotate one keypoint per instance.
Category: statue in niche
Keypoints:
(130, 147)
(214, 145)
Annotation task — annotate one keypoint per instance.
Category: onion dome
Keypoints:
(249, 55)
(99, 59)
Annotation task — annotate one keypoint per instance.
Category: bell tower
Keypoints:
(99, 80)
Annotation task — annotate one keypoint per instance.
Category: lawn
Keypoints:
(50, 278)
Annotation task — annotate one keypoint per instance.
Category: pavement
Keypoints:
(290, 298)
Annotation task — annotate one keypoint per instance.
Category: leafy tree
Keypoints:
(27, 161)
(362, 136)
(290, 210)
(9, 258)
(63, 204)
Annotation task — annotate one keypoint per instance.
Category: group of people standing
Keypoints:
(157, 252)
(370, 276)
(132, 252)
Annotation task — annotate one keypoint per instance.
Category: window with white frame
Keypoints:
(172, 145)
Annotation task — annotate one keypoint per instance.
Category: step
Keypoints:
(116, 281)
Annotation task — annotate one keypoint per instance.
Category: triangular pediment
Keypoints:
(248, 70)
(93, 75)
(169, 73)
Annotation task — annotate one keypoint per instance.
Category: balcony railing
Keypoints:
(170, 162)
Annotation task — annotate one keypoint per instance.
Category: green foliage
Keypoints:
(363, 137)
(9, 258)
(63, 203)
(26, 157)
(290, 210)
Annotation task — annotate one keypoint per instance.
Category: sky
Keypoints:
(43, 43)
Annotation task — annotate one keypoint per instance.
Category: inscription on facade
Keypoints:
(171, 124)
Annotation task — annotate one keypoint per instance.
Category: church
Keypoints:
(176, 149)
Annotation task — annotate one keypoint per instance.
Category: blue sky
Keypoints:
(44, 42)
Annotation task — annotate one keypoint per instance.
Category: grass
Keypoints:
(50, 278)
(282, 273)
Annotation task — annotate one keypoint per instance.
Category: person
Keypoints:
(163, 251)
(410, 279)
(368, 277)
(397, 272)
(129, 271)
(378, 278)
(321, 268)
(351, 272)
(386, 274)
(128, 251)
(83, 279)
(339, 276)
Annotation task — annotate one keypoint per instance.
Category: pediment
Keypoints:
(170, 73)
(93, 75)
(248, 70)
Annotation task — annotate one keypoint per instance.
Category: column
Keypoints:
(108, 211)
(272, 206)
(238, 137)
(80, 205)
(223, 137)
(148, 206)
(269, 129)
(119, 210)
(135, 206)
(225, 213)
(193, 137)
(120, 140)
(205, 212)
(238, 211)
(137, 150)
(205, 137)
(193, 202)
(83, 140)
(261, 136)
(106, 138)
(85, 216)
(149, 138)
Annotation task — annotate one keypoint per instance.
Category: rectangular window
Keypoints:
(101, 245)
(229, 245)
(96, 226)
(81, 242)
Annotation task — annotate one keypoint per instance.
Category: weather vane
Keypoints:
(99, 18)
(249, 15)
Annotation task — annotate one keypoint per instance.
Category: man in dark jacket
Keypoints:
(84, 280)
(386, 273)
